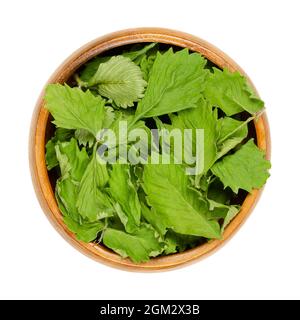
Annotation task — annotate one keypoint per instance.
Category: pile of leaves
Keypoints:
(146, 210)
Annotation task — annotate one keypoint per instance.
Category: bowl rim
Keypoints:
(39, 122)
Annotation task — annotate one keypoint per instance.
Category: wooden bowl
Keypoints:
(40, 132)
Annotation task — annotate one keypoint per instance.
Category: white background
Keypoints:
(261, 261)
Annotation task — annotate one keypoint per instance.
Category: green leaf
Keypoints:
(201, 117)
(175, 83)
(66, 194)
(92, 202)
(127, 117)
(67, 191)
(91, 67)
(231, 92)
(63, 161)
(110, 116)
(122, 190)
(245, 169)
(217, 210)
(137, 55)
(84, 231)
(232, 212)
(73, 163)
(61, 135)
(171, 244)
(180, 208)
(231, 132)
(138, 246)
(72, 160)
(152, 217)
(175, 242)
(224, 212)
(85, 138)
(51, 160)
(217, 192)
(146, 65)
(119, 79)
(73, 108)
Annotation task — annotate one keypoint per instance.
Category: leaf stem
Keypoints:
(80, 83)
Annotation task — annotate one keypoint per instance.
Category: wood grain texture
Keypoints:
(38, 133)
